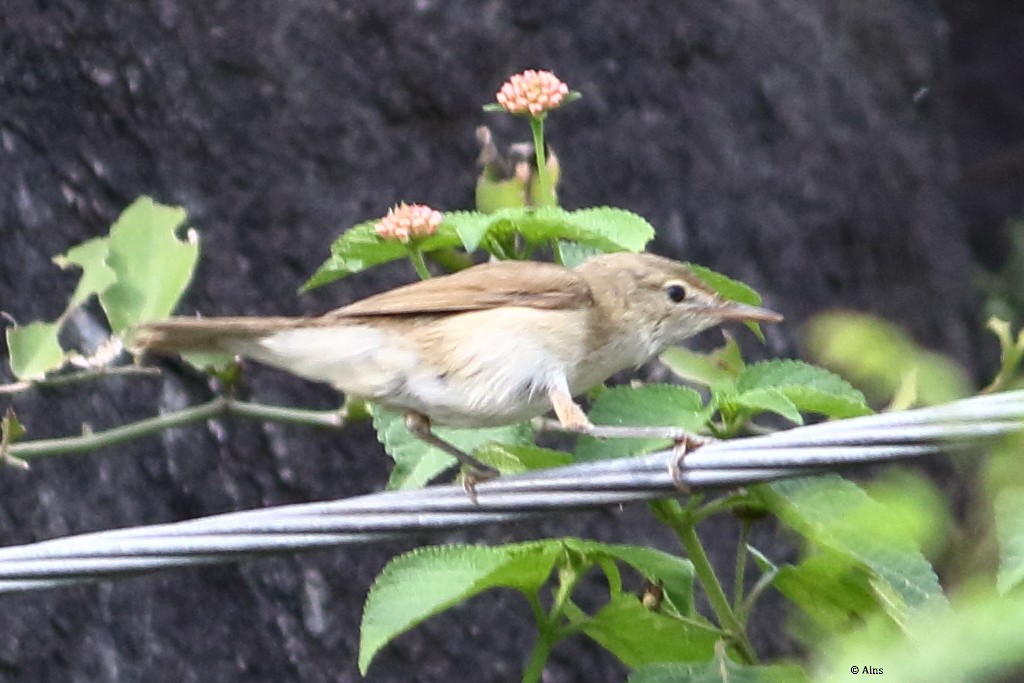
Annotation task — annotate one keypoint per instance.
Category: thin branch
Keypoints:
(685, 529)
(92, 441)
(75, 377)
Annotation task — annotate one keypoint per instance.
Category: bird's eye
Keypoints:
(676, 292)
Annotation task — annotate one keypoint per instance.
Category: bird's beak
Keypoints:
(732, 310)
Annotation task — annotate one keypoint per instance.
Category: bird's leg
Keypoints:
(476, 471)
(681, 448)
(571, 418)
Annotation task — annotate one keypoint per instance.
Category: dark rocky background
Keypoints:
(864, 155)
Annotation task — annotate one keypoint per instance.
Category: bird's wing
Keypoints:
(489, 285)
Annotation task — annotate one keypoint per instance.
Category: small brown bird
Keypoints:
(495, 344)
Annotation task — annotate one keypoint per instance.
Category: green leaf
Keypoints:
(831, 512)
(659, 405)
(626, 229)
(360, 247)
(877, 356)
(768, 399)
(11, 427)
(545, 224)
(761, 560)
(427, 581)
(675, 574)
(911, 506)
(516, 458)
(830, 588)
(720, 367)
(11, 430)
(1011, 353)
(416, 462)
(699, 368)
(638, 636)
(718, 671)
(211, 362)
(1009, 511)
(810, 389)
(91, 257)
(494, 194)
(470, 226)
(980, 640)
(153, 267)
(571, 254)
(731, 289)
(606, 229)
(34, 349)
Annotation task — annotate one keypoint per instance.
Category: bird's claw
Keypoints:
(682, 446)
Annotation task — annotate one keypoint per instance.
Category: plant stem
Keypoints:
(416, 256)
(762, 584)
(73, 377)
(538, 657)
(739, 575)
(682, 524)
(719, 505)
(90, 441)
(546, 638)
(545, 192)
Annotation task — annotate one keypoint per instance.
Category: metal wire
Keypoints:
(393, 515)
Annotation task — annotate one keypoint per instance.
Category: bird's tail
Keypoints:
(206, 335)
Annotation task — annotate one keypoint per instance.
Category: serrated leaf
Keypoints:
(545, 224)
(875, 355)
(831, 589)
(768, 399)
(470, 226)
(718, 671)
(604, 229)
(731, 289)
(638, 636)
(626, 229)
(360, 247)
(34, 349)
(571, 254)
(516, 458)
(416, 462)
(811, 389)
(1009, 513)
(153, 267)
(707, 369)
(830, 512)
(91, 257)
(658, 405)
(674, 573)
(427, 581)
(980, 639)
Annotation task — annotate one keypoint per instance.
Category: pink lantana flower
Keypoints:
(407, 221)
(532, 92)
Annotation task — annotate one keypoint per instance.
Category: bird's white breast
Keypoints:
(474, 369)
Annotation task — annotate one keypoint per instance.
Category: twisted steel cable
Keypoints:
(392, 515)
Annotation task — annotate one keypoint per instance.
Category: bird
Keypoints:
(495, 344)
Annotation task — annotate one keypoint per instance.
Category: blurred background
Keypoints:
(865, 156)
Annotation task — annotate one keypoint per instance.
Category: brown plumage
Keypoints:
(494, 344)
